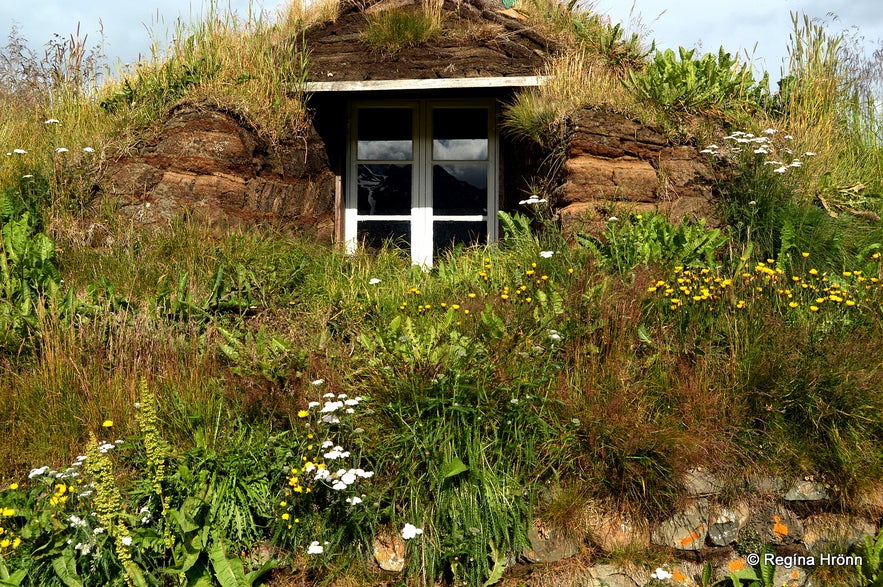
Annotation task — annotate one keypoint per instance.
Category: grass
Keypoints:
(394, 29)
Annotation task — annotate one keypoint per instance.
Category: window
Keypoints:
(422, 174)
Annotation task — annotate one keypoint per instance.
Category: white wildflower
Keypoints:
(127, 541)
(546, 254)
(60, 150)
(410, 531)
(37, 472)
(88, 150)
(355, 500)
(661, 574)
(51, 121)
(534, 199)
(315, 548)
(19, 151)
(318, 382)
(373, 281)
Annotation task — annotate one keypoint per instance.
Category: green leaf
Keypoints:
(453, 468)
(261, 571)
(66, 568)
(496, 573)
(228, 571)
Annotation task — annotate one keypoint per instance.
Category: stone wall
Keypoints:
(799, 522)
(211, 163)
(616, 165)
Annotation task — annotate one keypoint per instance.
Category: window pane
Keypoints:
(385, 134)
(376, 233)
(460, 134)
(446, 234)
(459, 189)
(384, 189)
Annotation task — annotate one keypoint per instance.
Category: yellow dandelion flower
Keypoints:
(13, 486)
(16, 542)
(5, 543)
(285, 516)
(455, 306)
(813, 308)
(805, 254)
(471, 296)
(8, 512)
(107, 424)
(813, 271)
(570, 271)
(303, 414)
(793, 305)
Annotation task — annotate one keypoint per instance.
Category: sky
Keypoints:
(130, 28)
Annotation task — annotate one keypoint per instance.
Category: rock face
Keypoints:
(549, 544)
(211, 163)
(615, 164)
(686, 530)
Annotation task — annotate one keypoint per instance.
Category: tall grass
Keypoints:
(828, 109)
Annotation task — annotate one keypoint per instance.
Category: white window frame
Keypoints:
(422, 198)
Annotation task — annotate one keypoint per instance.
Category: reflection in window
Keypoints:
(384, 150)
(376, 233)
(384, 189)
(448, 234)
(385, 134)
(460, 134)
(459, 189)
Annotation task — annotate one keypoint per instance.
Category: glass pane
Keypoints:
(385, 134)
(459, 134)
(376, 233)
(446, 234)
(459, 189)
(384, 189)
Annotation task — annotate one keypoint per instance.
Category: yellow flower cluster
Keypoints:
(61, 494)
(520, 292)
(8, 539)
(764, 282)
(693, 287)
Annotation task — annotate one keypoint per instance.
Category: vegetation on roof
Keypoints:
(246, 399)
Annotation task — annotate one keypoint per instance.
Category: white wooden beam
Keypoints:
(426, 84)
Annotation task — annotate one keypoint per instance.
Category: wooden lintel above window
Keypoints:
(426, 84)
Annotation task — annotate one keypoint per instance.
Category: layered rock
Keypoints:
(617, 165)
(210, 162)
